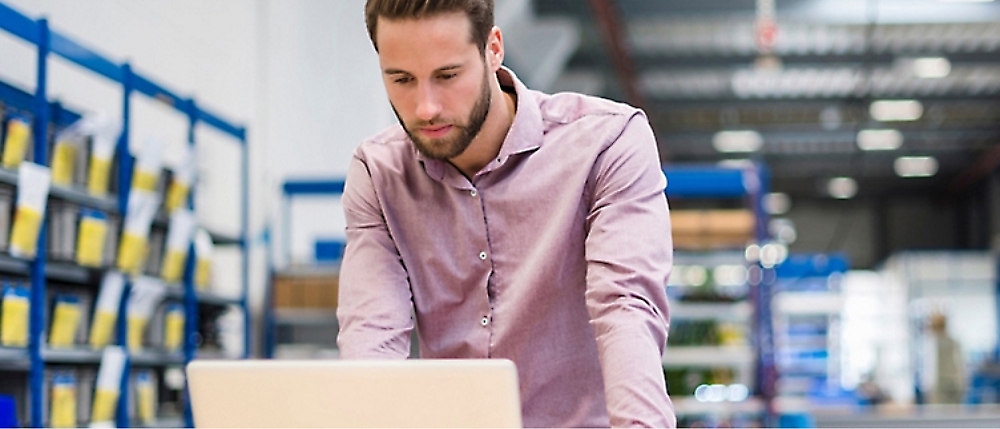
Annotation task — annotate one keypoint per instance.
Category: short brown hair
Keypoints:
(479, 12)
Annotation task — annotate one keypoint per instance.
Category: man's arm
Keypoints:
(629, 258)
(375, 303)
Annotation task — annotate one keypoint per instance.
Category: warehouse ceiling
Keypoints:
(806, 110)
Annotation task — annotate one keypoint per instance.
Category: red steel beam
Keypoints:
(983, 166)
(607, 17)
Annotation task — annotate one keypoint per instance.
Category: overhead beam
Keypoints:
(982, 168)
(646, 60)
(728, 100)
(609, 21)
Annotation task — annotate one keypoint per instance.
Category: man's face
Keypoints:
(436, 78)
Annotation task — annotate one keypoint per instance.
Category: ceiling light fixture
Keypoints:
(888, 139)
(737, 141)
(896, 110)
(842, 188)
(915, 166)
(931, 67)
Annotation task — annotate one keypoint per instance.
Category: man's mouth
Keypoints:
(435, 131)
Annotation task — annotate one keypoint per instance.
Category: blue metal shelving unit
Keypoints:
(47, 41)
(810, 273)
(751, 184)
(291, 189)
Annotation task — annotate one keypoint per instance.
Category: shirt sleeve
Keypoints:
(629, 258)
(374, 303)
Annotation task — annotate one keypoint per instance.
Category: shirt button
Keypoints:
(482, 255)
(473, 192)
(485, 321)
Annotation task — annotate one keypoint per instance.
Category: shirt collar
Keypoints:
(525, 132)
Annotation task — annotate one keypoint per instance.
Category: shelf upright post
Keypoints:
(286, 228)
(125, 160)
(190, 292)
(36, 328)
(767, 371)
(125, 165)
(269, 324)
(245, 240)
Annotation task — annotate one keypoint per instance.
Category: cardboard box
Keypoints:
(712, 229)
(318, 291)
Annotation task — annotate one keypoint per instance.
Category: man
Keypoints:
(512, 223)
(947, 363)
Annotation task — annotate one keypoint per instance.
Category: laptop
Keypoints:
(354, 393)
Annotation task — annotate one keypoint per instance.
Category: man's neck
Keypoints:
(486, 146)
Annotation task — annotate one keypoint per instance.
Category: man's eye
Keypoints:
(448, 76)
(402, 80)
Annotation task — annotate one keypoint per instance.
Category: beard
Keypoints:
(449, 147)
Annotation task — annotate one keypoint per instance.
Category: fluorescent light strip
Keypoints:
(842, 188)
(915, 166)
(931, 67)
(896, 110)
(888, 139)
(737, 141)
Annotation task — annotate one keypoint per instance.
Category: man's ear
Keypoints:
(494, 49)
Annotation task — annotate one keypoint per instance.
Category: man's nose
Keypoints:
(428, 103)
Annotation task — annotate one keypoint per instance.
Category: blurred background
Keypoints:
(832, 173)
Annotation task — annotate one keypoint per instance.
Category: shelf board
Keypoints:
(73, 355)
(171, 422)
(309, 270)
(72, 195)
(711, 311)
(156, 358)
(72, 273)
(8, 176)
(176, 291)
(808, 303)
(58, 271)
(708, 356)
(688, 405)
(225, 239)
(14, 357)
(214, 355)
(207, 297)
(305, 316)
(12, 265)
(709, 258)
(82, 198)
(162, 220)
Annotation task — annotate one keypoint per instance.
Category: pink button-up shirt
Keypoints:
(555, 256)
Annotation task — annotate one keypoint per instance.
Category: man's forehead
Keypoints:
(453, 24)
(418, 46)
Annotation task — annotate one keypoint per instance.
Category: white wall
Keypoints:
(301, 75)
(324, 95)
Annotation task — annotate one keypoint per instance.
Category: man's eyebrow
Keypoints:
(450, 67)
